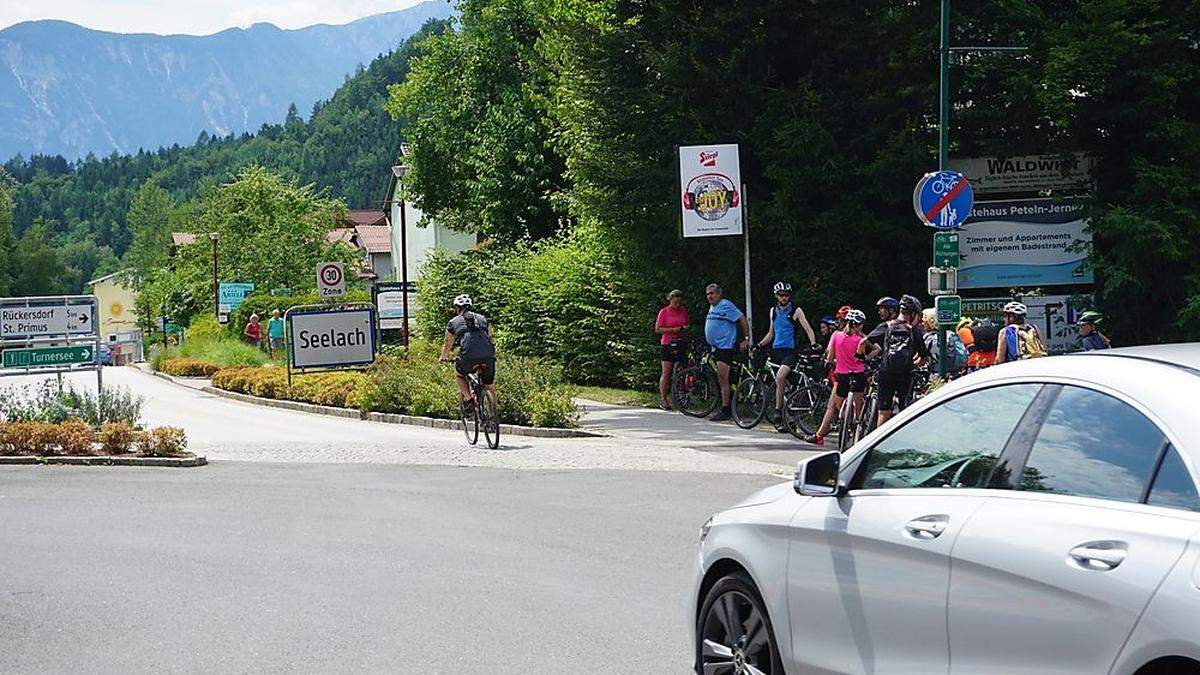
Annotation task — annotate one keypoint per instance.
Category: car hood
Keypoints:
(765, 495)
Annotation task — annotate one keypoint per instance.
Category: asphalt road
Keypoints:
(220, 428)
(364, 567)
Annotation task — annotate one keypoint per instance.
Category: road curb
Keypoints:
(386, 418)
(177, 462)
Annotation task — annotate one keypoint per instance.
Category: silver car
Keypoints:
(1036, 517)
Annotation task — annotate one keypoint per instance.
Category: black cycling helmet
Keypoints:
(888, 301)
(909, 303)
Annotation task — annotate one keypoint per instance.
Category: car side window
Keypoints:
(1092, 445)
(1173, 486)
(954, 444)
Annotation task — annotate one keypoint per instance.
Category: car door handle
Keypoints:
(1100, 556)
(927, 527)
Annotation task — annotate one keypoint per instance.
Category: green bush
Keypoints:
(204, 328)
(182, 366)
(569, 300)
(222, 351)
(530, 391)
(45, 403)
(262, 304)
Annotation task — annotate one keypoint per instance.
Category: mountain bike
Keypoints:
(695, 391)
(755, 395)
(804, 408)
(483, 413)
(852, 428)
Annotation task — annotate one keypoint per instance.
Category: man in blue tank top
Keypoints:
(782, 337)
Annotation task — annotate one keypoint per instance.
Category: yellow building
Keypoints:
(116, 300)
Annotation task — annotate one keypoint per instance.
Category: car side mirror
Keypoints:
(818, 476)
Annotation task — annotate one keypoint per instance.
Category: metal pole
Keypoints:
(404, 261)
(943, 142)
(944, 88)
(746, 253)
(216, 287)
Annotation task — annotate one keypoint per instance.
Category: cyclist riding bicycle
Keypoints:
(901, 344)
(781, 335)
(470, 332)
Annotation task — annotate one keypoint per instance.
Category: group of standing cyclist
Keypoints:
(904, 340)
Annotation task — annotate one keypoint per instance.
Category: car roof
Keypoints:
(1163, 379)
(1184, 355)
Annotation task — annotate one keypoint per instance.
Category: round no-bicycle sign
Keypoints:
(331, 280)
(943, 199)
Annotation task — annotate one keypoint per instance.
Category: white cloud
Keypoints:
(197, 17)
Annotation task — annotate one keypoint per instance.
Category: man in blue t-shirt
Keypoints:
(721, 331)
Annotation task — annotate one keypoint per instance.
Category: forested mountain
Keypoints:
(82, 208)
(70, 90)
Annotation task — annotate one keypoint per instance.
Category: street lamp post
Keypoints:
(399, 171)
(215, 237)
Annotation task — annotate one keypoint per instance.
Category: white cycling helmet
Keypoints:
(1016, 308)
(463, 300)
(856, 316)
(783, 287)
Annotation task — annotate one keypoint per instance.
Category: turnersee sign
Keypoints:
(344, 337)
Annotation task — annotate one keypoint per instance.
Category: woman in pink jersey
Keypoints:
(851, 380)
(671, 326)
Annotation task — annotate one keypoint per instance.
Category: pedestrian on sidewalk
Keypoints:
(721, 332)
(671, 326)
(253, 332)
(275, 333)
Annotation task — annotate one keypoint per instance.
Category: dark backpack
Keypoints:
(897, 347)
(987, 336)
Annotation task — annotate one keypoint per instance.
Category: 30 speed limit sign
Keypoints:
(331, 280)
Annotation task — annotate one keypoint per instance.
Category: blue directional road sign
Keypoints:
(943, 199)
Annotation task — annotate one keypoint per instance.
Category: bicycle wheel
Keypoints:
(470, 423)
(489, 418)
(694, 391)
(866, 423)
(749, 403)
(803, 410)
(847, 425)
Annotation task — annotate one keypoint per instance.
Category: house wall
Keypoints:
(422, 240)
(117, 308)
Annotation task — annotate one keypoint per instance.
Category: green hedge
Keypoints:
(263, 303)
(530, 391)
(567, 300)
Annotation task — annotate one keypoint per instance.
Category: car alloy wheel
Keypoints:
(734, 633)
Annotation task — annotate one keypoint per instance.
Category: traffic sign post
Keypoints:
(50, 335)
(321, 337)
(949, 310)
(945, 249)
(943, 200)
(48, 356)
(331, 280)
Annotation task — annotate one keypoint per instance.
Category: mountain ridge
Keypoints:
(71, 90)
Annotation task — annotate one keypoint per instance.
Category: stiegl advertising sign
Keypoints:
(332, 339)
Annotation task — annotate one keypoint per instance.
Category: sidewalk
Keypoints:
(650, 425)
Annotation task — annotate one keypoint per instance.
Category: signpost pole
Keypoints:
(746, 253)
(943, 141)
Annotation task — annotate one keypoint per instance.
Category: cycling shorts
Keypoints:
(850, 383)
(675, 351)
(893, 387)
(724, 355)
(783, 356)
(487, 376)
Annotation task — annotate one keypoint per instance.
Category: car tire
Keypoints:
(750, 646)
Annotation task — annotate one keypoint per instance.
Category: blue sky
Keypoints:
(197, 17)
